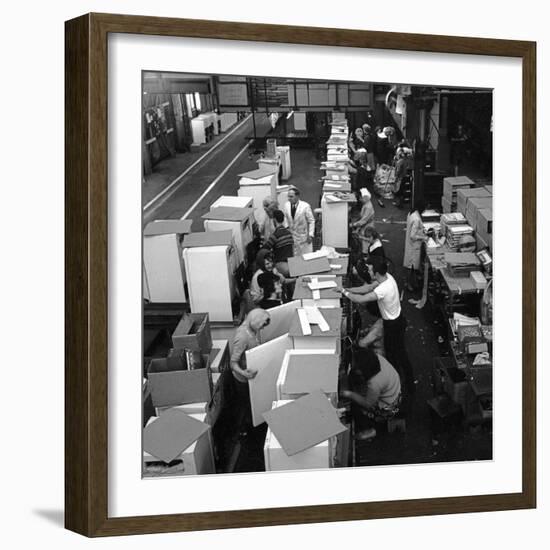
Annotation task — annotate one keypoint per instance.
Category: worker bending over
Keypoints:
(384, 290)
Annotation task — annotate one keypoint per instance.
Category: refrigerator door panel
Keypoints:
(163, 268)
(210, 285)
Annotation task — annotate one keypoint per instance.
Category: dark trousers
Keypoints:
(242, 404)
(396, 354)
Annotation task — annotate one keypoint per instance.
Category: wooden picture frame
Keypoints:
(86, 222)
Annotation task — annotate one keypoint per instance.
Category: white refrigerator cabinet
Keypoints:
(210, 280)
(238, 220)
(335, 222)
(164, 273)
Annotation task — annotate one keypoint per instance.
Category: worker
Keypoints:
(402, 165)
(375, 389)
(267, 225)
(356, 141)
(246, 338)
(372, 244)
(385, 291)
(299, 219)
(280, 243)
(366, 217)
(414, 238)
(264, 264)
(372, 337)
(272, 289)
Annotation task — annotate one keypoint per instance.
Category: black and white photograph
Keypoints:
(317, 274)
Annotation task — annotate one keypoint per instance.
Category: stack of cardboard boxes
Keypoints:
(178, 440)
(461, 195)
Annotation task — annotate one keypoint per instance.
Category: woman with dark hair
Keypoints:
(264, 264)
(375, 389)
(371, 242)
(356, 141)
(272, 290)
(414, 238)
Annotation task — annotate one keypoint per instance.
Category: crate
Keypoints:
(452, 184)
(197, 459)
(474, 205)
(177, 387)
(447, 206)
(464, 195)
(193, 333)
(484, 223)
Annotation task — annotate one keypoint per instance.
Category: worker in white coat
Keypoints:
(414, 239)
(299, 219)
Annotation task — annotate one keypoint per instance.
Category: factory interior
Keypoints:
(317, 274)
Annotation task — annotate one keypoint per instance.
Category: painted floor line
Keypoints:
(187, 170)
(207, 190)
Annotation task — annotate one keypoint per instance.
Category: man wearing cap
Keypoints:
(299, 219)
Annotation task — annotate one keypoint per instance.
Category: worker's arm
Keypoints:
(240, 347)
(363, 289)
(247, 373)
(417, 232)
(365, 401)
(360, 298)
(371, 337)
(310, 223)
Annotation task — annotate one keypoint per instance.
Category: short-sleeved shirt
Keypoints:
(383, 388)
(243, 340)
(387, 293)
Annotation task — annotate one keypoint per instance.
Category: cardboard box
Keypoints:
(474, 205)
(484, 222)
(471, 339)
(311, 459)
(177, 359)
(193, 333)
(452, 184)
(189, 408)
(304, 371)
(177, 387)
(219, 356)
(315, 457)
(464, 195)
(483, 242)
(329, 340)
(478, 279)
(447, 206)
(197, 459)
(461, 264)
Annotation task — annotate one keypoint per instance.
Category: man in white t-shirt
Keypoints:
(385, 291)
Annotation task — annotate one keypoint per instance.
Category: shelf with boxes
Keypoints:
(470, 344)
